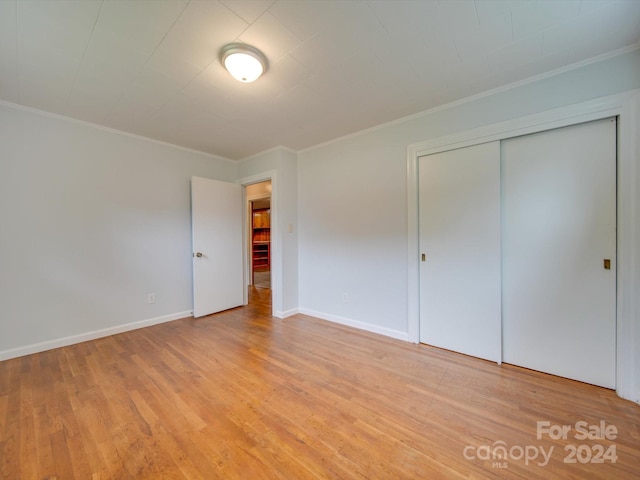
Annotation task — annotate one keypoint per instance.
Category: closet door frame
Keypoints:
(626, 107)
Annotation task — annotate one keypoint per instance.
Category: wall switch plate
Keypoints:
(151, 298)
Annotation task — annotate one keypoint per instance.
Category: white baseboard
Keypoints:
(286, 313)
(357, 324)
(83, 337)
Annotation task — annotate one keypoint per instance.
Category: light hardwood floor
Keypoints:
(239, 395)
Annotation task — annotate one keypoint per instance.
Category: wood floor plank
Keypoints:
(241, 395)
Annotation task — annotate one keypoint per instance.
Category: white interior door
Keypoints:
(216, 219)
(459, 207)
(559, 226)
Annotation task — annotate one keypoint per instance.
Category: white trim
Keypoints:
(57, 116)
(626, 106)
(628, 254)
(478, 96)
(413, 250)
(287, 313)
(387, 332)
(83, 337)
(276, 240)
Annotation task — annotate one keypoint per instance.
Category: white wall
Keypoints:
(91, 221)
(352, 195)
(285, 203)
(353, 233)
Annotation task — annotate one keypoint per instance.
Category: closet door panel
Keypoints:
(459, 210)
(559, 226)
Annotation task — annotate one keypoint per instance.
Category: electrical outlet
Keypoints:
(345, 298)
(151, 298)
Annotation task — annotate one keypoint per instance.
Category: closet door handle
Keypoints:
(197, 254)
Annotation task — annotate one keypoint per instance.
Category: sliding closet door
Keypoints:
(559, 252)
(459, 208)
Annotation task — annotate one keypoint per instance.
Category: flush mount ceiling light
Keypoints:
(244, 62)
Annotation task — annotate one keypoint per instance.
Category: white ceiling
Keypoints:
(336, 66)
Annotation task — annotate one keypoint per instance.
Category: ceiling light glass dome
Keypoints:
(244, 62)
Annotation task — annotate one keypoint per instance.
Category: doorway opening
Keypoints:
(275, 243)
(259, 238)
